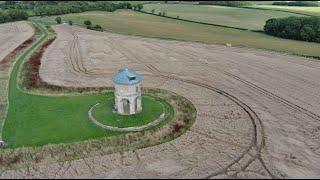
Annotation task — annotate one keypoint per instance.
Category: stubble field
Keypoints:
(257, 111)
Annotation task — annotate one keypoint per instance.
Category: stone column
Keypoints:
(132, 103)
(139, 106)
(120, 105)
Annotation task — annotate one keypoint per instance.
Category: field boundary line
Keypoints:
(204, 23)
(258, 8)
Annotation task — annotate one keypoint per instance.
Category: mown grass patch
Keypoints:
(151, 110)
(39, 120)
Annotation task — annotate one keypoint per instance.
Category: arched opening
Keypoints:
(126, 106)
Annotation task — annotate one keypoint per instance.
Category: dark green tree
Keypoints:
(139, 7)
(307, 33)
(87, 23)
(58, 20)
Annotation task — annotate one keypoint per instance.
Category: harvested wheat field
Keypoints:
(12, 35)
(257, 111)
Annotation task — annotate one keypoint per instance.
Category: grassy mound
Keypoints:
(151, 110)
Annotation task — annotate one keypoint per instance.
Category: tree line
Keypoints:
(227, 3)
(12, 15)
(79, 6)
(297, 3)
(16, 10)
(299, 28)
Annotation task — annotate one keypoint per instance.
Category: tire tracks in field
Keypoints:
(74, 55)
(275, 97)
(263, 91)
(75, 59)
(257, 142)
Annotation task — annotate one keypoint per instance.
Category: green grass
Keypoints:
(228, 16)
(134, 23)
(151, 110)
(39, 120)
(314, 11)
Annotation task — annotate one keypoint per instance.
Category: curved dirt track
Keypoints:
(257, 111)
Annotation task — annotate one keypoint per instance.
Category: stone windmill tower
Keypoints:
(127, 92)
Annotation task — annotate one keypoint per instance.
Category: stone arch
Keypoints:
(126, 106)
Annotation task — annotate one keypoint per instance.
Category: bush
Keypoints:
(97, 28)
(140, 7)
(299, 28)
(59, 20)
(87, 23)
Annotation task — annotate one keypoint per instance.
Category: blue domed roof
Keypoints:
(127, 77)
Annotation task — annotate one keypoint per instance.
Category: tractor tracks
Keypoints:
(275, 97)
(75, 59)
(74, 55)
(253, 152)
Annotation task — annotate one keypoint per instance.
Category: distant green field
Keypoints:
(130, 22)
(314, 11)
(229, 16)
